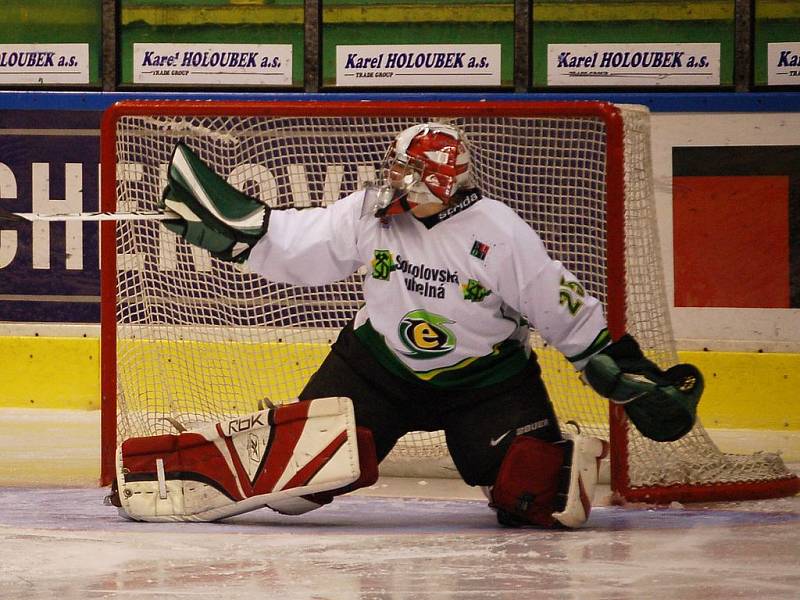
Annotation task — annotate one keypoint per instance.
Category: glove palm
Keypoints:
(213, 214)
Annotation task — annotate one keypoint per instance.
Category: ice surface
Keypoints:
(64, 543)
(399, 540)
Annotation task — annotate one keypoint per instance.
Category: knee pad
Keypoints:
(547, 484)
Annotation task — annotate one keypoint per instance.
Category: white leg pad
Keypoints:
(269, 458)
(586, 455)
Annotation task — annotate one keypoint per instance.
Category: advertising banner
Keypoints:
(454, 65)
(633, 64)
(213, 64)
(49, 272)
(44, 64)
(783, 63)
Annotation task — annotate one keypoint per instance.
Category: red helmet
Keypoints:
(426, 163)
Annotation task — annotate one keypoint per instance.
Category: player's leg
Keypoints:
(557, 491)
(509, 442)
(381, 400)
(378, 396)
(481, 424)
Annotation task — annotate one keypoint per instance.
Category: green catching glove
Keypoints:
(661, 404)
(214, 215)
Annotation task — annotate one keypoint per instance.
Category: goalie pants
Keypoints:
(479, 423)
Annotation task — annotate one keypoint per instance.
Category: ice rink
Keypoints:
(402, 539)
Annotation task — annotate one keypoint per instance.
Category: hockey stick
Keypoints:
(140, 215)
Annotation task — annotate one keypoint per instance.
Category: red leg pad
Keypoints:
(527, 486)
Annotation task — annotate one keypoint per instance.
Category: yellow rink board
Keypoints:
(226, 372)
(744, 390)
(50, 372)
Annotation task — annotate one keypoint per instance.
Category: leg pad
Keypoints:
(234, 466)
(546, 484)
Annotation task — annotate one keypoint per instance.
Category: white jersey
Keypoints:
(449, 298)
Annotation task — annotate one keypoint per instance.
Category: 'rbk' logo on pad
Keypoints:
(238, 425)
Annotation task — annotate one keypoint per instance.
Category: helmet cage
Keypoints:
(401, 171)
(426, 164)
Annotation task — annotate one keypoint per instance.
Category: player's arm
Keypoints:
(552, 299)
(661, 404)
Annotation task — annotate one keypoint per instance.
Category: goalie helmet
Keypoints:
(426, 164)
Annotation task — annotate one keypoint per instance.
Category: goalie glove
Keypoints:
(214, 215)
(661, 404)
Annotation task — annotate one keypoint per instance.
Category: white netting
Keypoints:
(198, 340)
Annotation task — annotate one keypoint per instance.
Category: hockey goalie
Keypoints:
(455, 282)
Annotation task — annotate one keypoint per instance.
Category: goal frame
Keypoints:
(608, 113)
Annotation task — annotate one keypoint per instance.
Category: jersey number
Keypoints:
(570, 294)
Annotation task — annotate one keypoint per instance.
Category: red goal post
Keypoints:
(187, 338)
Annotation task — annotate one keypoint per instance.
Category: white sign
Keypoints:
(633, 64)
(44, 63)
(783, 63)
(414, 65)
(213, 64)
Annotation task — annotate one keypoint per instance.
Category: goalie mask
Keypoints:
(426, 164)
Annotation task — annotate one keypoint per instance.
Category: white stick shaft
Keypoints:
(98, 216)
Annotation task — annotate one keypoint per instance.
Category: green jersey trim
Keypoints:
(506, 359)
(602, 340)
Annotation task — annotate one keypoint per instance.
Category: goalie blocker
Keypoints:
(292, 458)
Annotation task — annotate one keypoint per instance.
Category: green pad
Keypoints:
(662, 405)
(215, 215)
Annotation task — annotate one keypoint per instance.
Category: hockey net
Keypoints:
(190, 339)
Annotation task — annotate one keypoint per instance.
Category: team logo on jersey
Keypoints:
(479, 250)
(425, 334)
(382, 265)
(474, 291)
